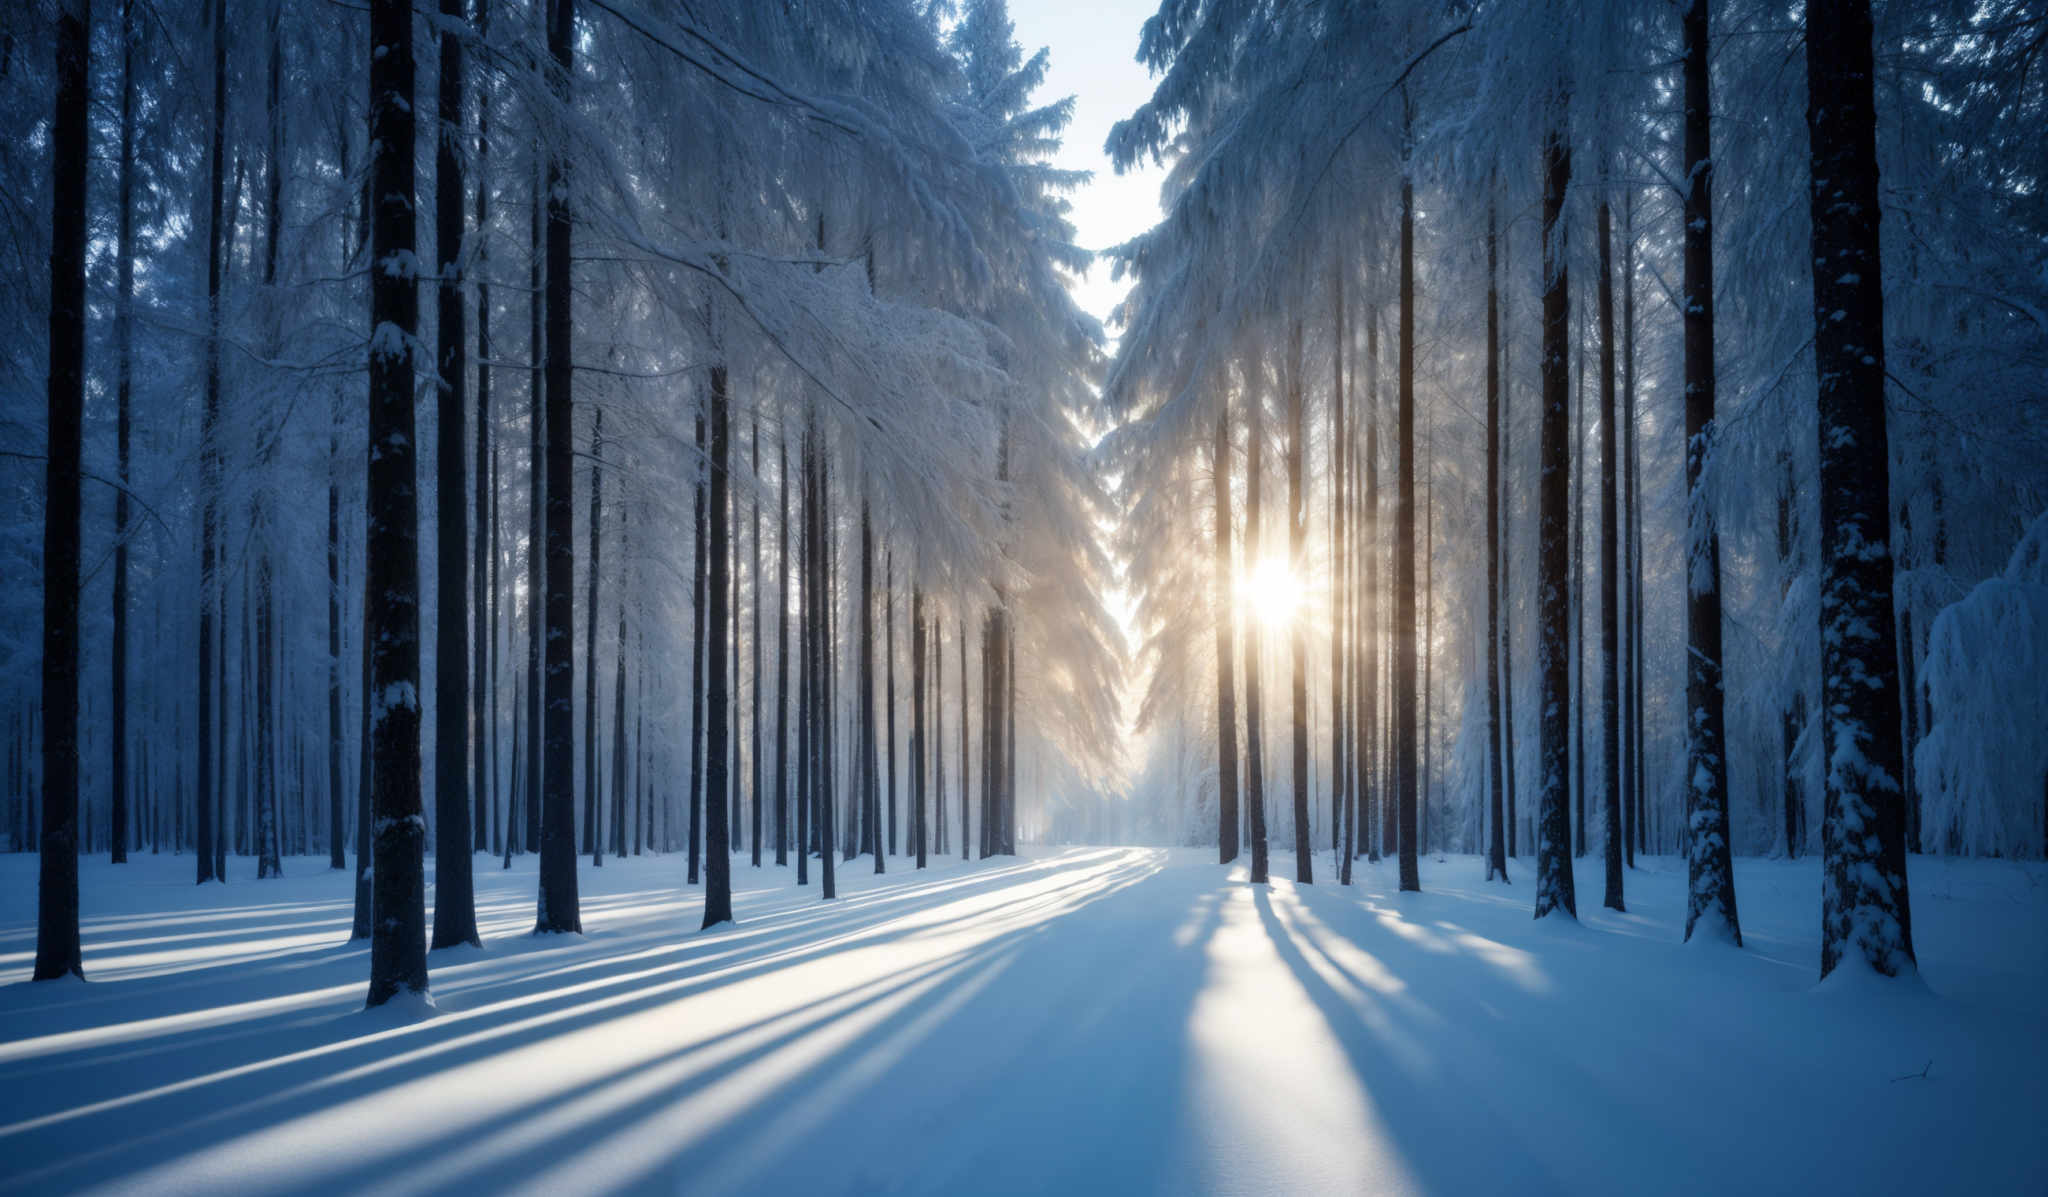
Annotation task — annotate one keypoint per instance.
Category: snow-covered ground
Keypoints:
(1076, 1021)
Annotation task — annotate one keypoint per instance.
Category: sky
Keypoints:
(1093, 44)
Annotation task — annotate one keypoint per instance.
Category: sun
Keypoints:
(1268, 591)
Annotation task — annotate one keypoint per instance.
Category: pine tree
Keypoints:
(1711, 877)
(1554, 888)
(1866, 909)
(391, 619)
(58, 953)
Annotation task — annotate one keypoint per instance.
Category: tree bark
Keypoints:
(1710, 870)
(391, 624)
(1226, 648)
(559, 909)
(718, 733)
(58, 951)
(1610, 631)
(1496, 846)
(1866, 909)
(592, 787)
(1404, 548)
(1554, 888)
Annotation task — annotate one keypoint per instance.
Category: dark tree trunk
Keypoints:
(806, 773)
(619, 722)
(754, 640)
(483, 553)
(1632, 698)
(592, 786)
(1226, 648)
(1711, 886)
(870, 779)
(1297, 564)
(1496, 849)
(1404, 552)
(58, 952)
(207, 800)
(919, 748)
(1254, 731)
(454, 892)
(1554, 888)
(1610, 632)
(559, 910)
(889, 692)
(124, 368)
(366, 772)
(391, 620)
(717, 843)
(782, 645)
(938, 659)
(1866, 911)
(1372, 792)
(966, 710)
(537, 498)
(1340, 596)
(698, 645)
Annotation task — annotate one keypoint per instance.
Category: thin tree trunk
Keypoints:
(454, 890)
(919, 748)
(1255, 754)
(1297, 565)
(391, 624)
(889, 694)
(717, 843)
(483, 553)
(1711, 878)
(1610, 632)
(124, 367)
(58, 952)
(592, 787)
(1404, 547)
(870, 779)
(1554, 888)
(1372, 790)
(1226, 648)
(559, 910)
(698, 645)
(1496, 849)
(1340, 773)
(207, 799)
(1866, 909)
(753, 641)
(782, 646)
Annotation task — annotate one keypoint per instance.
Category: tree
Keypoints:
(206, 802)
(1404, 539)
(717, 837)
(1496, 851)
(559, 909)
(1711, 888)
(591, 787)
(1226, 649)
(391, 620)
(1610, 632)
(1866, 910)
(454, 891)
(124, 387)
(58, 953)
(1254, 734)
(1297, 532)
(1554, 888)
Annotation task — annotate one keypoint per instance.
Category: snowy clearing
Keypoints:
(1080, 1020)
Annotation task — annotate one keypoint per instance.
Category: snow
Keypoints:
(1078, 1020)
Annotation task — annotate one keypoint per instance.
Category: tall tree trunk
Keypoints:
(58, 952)
(1340, 591)
(1866, 910)
(619, 716)
(454, 891)
(717, 839)
(1496, 845)
(1404, 545)
(1711, 886)
(919, 748)
(1610, 632)
(592, 788)
(754, 640)
(335, 845)
(124, 371)
(889, 690)
(1372, 791)
(559, 910)
(966, 710)
(483, 553)
(782, 644)
(1635, 527)
(1254, 731)
(1297, 565)
(537, 491)
(870, 773)
(806, 755)
(1226, 649)
(1554, 888)
(698, 646)
(207, 799)
(391, 624)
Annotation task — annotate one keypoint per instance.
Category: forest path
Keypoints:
(1078, 1020)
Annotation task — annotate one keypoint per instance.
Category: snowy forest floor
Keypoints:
(1084, 1020)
